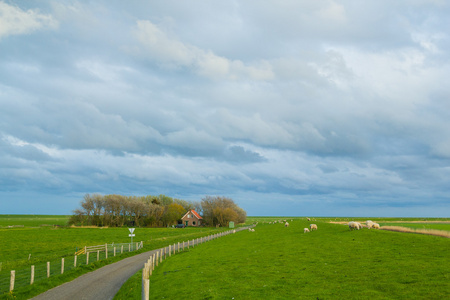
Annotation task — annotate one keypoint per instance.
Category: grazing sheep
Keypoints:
(354, 225)
(251, 229)
(305, 230)
(376, 226)
(313, 227)
(286, 224)
(369, 224)
(308, 219)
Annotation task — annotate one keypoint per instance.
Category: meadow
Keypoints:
(33, 220)
(333, 262)
(39, 241)
(273, 262)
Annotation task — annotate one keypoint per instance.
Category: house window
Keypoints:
(193, 223)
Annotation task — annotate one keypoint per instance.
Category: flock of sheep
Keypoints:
(369, 224)
(352, 225)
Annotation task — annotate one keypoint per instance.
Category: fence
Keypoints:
(161, 254)
(11, 279)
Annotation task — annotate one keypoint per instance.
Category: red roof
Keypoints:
(194, 213)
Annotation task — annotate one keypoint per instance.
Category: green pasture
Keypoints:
(435, 226)
(33, 220)
(276, 262)
(26, 246)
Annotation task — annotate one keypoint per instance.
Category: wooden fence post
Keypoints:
(62, 265)
(129, 247)
(170, 250)
(157, 258)
(188, 244)
(106, 250)
(75, 261)
(153, 260)
(150, 266)
(32, 275)
(178, 247)
(98, 255)
(114, 251)
(145, 294)
(160, 257)
(87, 258)
(137, 246)
(48, 269)
(11, 282)
(121, 250)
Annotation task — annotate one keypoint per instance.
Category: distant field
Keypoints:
(437, 226)
(333, 262)
(33, 220)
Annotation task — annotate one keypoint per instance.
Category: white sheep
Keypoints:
(286, 224)
(354, 225)
(376, 226)
(369, 224)
(313, 227)
(308, 219)
(305, 230)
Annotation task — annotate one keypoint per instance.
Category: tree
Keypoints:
(173, 212)
(221, 210)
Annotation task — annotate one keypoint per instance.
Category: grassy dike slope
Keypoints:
(275, 262)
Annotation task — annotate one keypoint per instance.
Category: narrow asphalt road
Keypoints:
(100, 284)
(103, 283)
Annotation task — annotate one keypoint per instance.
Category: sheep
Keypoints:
(354, 225)
(308, 219)
(376, 226)
(286, 224)
(251, 229)
(305, 230)
(369, 224)
(313, 227)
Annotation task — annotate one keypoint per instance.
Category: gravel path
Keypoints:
(103, 283)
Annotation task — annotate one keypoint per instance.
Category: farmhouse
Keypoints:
(192, 218)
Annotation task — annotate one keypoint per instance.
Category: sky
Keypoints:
(290, 108)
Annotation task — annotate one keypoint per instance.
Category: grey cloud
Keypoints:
(239, 154)
(312, 103)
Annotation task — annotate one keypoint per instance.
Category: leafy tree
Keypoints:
(221, 210)
(173, 213)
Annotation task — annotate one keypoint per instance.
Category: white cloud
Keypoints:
(14, 20)
(169, 51)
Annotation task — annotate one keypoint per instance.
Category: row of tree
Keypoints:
(153, 211)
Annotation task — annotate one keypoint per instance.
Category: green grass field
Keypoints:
(34, 244)
(333, 262)
(33, 220)
(273, 262)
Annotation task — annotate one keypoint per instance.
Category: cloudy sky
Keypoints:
(318, 108)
